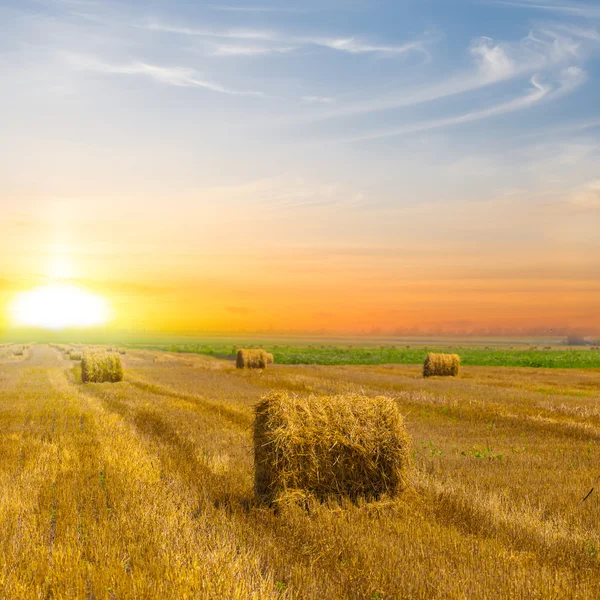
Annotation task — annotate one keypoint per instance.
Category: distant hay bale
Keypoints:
(18, 352)
(329, 447)
(74, 355)
(251, 359)
(270, 358)
(441, 365)
(101, 368)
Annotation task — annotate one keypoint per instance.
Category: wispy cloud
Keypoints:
(587, 197)
(318, 99)
(257, 9)
(175, 76)
(351, 45)
(289, 193)
(357, 46)
(247, 50)
(547, 50)
(570, 80)
(586, 33)
(570, 8)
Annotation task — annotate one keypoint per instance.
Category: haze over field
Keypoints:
(301, 166)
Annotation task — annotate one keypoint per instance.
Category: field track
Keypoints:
(143, 489)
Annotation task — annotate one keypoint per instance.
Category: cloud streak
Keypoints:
(173, 76)
(237, 50)
(351, 45)
(256, 9)
(549, 49)
(587, 197)
(569, 8)
(318, 99)
(571, 79)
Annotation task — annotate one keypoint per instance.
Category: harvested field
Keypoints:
(145, 488)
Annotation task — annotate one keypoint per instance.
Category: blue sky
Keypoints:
(469, 126)
(344, 81)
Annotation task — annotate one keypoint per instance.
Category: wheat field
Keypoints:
(144, 489)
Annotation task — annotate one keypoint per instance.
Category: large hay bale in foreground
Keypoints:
(329, 447)
(100, 368)
(251, 359)
(441, 365)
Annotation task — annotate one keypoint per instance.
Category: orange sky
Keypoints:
(429, 268)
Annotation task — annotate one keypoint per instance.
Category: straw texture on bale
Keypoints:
(329, 447)
(251, 359)
(441, 365)
(100, 368)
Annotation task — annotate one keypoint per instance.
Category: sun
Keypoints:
(59, 306)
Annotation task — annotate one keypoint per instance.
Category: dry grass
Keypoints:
(251, 359)
(145, 489)
(329, 447)
(445, 365)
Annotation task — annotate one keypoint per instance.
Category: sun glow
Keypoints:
(59, 306)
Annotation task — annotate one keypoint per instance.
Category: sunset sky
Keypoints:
(333, 165)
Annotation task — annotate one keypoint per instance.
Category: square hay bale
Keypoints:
(100, 368)
(441, 365)
(329, 447)
(251, 359)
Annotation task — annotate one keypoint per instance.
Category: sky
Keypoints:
(337, 166)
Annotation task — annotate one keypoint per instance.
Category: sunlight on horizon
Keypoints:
(59, 306)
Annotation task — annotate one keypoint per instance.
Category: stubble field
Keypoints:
(144, 489)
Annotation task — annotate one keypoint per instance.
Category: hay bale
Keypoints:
(113, 368)
(100, 368)
(251, 359)
(330, 447)
(441, 365)
(90, 372)
(269, 358)
(18, 352)
(74, 355)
